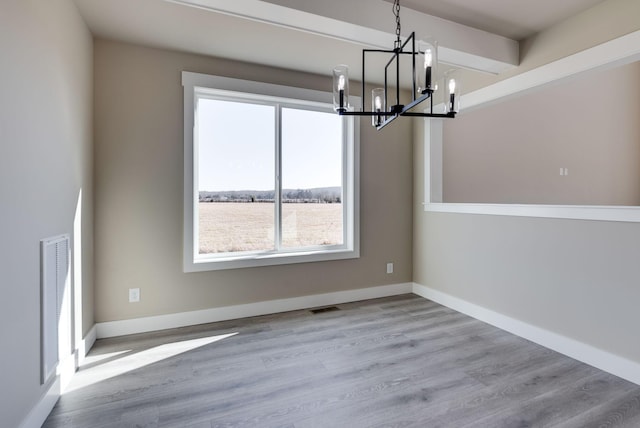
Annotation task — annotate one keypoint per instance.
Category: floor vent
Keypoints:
(323, 310)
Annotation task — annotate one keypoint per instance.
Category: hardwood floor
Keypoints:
(401, 361)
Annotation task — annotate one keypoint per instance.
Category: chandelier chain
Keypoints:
(396, 12)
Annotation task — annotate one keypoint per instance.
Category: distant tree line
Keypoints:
(321, 195)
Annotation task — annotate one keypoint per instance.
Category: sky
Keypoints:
(237, 147)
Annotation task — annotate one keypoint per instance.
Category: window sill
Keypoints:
(202, 264)
(575, 212)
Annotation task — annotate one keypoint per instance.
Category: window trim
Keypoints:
(288, 96)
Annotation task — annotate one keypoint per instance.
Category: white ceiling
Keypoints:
(313, 35)
(163, 24)
(515, 19)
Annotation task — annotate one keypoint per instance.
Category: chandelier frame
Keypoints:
(381, 116)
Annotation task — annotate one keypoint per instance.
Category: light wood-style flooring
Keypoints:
(401, 361)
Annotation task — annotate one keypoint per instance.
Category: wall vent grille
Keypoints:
(55, 305)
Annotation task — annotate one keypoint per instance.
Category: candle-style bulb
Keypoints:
(429, 70)
(377, 106)
(452, 96)
(341, 88)
(378, 103)
(428, 58)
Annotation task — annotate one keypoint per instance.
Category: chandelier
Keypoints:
(423, 60)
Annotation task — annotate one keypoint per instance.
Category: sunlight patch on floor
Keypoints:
(91, 360)
(136, 360)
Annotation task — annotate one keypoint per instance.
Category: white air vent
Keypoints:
(55, 303)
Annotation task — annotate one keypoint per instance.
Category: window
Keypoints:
(270, 175)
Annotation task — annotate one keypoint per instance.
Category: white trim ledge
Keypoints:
(575, 212)
(184, 319)
(603, 360)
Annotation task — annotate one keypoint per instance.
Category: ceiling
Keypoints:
(515, 19)
(313, 36)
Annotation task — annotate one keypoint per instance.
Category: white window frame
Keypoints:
(198, 85)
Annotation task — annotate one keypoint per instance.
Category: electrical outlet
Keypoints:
(134, 295)
(389, 267)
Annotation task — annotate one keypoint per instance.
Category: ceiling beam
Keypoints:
(371, 23)
(619, 51)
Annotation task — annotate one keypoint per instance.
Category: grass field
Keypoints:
(231, 227)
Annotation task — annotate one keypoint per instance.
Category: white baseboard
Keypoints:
(40, 411)
(183, 319)
(66, 369)
(86, 344)
(611, 363)
(580, 351)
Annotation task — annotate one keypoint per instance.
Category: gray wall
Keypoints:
(572, 277)
(512, 151)
(576, 278)
(45, 162)
(139, 176)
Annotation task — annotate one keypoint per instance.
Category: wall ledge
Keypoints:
(588, 354)
(574, 212)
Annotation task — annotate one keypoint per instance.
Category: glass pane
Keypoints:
(236, 158)
(311, 178)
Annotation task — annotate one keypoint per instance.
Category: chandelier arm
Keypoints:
(400, 113)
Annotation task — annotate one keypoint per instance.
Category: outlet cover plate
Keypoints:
(134, 295)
